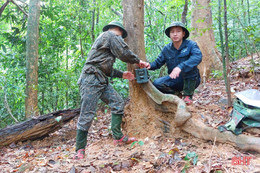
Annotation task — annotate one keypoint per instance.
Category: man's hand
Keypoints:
(175, 73)
(128, 75)
(143, 64)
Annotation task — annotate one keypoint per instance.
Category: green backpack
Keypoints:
(243, 116)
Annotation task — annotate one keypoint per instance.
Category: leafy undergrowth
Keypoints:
(181, 153)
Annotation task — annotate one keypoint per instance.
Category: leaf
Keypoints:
(133, 144)
(4, 48)
(173, 151)
(58, 118)
(193, 156)
(187, 165)
(135, 159)
(141, 143)
(52, 162)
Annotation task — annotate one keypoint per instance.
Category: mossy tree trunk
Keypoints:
(31, 100)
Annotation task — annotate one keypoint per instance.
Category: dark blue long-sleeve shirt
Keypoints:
(187, 58)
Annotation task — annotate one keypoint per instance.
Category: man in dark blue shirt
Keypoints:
(181, 57)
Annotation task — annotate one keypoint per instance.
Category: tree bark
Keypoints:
(37, 128)
(227, 57)
(93, 22)
(202, 33)
(184, 13)
(31, 100)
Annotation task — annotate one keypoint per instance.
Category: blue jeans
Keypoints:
(168, 85)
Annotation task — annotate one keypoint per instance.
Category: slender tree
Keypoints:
(184, 13)
(93, 21)
(31, 100)
(202, 33)
(227, 56)
(222, 44)
(248, 13)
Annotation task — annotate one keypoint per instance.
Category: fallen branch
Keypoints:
(37, 127)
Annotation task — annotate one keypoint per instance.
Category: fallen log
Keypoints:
(37, 127)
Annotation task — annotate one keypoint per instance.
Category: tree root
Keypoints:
(200, 130)
(161, 100)
(195, 127)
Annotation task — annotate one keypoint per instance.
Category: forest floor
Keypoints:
(178, 153)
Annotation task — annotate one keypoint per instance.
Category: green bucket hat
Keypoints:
(118, 24)
(167, 31)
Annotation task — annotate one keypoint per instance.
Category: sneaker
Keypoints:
(80, 154)
(124, 140)
(187, 100)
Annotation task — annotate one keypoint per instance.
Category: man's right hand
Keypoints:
(143, 64)
(175, 73)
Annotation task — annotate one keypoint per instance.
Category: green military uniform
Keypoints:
(94, 83)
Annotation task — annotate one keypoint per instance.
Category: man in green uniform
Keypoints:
(94, 83)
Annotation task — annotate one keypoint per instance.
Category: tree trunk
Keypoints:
(227, 57)
(202, 33)
(148, 107)
(37, 128)
(93, 22)
(31, 100)
(184, 13)
(151, 113)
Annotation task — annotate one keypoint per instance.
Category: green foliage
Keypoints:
(141, 143)
(217, 74)
(192, 156)
(242, 27)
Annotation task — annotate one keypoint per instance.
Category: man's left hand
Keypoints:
(175, 73)
(128, 75)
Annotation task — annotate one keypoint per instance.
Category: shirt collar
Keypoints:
(182, 45)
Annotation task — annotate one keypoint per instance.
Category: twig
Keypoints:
(226, 170)
(210, 164)
(19, 8)
(3, 7)
(116, 12)
(8, 109)
(23, 2)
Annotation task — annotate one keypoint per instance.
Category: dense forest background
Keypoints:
(67, 30)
